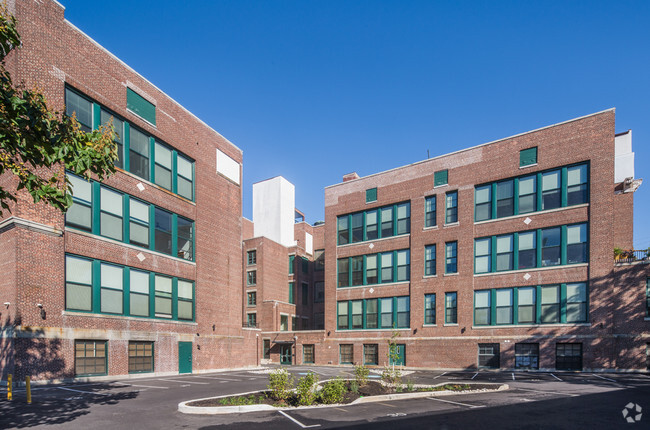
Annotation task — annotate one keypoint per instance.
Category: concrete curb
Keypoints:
(183, 407)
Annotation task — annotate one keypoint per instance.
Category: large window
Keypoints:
(112, 283)
(451, 265)
(429, 260)
(140, 357)
(550, 300)
(451, 207)
(451, 309)
(568, 356)
(385, 313)
(90, 357)
(185, 177)
(319, 292)
(308, 354)
(576, 302)
(251, 320)
(80, 107)
(393, 266)
(251, 277)
(163, 166)
(504, 306)
(526, 308)
(526, 355)
(558, 245)
(482, 307)
(319, 260)
(346, 354)
(429, 309)
(292, 293)
(374, 223)
(305, 294)
(430, 211)
(104, 215)
(371, 354)
(118, 126)
(139, 153)
(488, 356)
(251, 298)
(560, 187)
(251, 257)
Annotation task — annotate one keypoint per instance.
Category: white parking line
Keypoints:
(606, 379)
(456, 403)
(475, 375)
(298, 422)
(185, 382)
(436, 377)
(137, 385)
(85, 392)
(548, 392)
(217, 378)
(513, 376)
(555, 377)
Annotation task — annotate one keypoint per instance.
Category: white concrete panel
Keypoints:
(273, 210)
(624, 159)
(228, 167)
(309, 243)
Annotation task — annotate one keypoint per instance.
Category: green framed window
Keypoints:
(550, 304)
(292, 293)
(430, 211)
(308, 354)
(184, 177)
(370, 269)
(482, 312)
(80, 107)
(140, 357)
(140, 106)
(451, 308)
(346, 354)
(527, 157)
(251, 320)
(305, 294)
(504, 306)
(107, 118)
(107, 212)
(551, 189)
(429, 309)
(90, 357)
(292, 259)
(304, 265)
(372, 314)
(374, 223)
(163, 166)
(576, 302)
(371, 354)
(80, 215)
(451, 257)
(526, 307)
(430, 260)
(101, 287)
(139, 153)
(553, 246)
(371, 195)
(451, 207)
(440, 178)
(251, 298)
(284, 322)
(251, 277)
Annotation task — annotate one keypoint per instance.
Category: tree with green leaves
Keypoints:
(37, 144)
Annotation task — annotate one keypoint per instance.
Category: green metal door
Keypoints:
(398, 358)
(184, 357)
(285, 354)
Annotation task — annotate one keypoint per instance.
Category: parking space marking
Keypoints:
(217, 378)
(555, 377)
(475, 375)
(436, 377)
(513, 376)
(606, 379)
(84, 392)
(386, 404)
(185, 382)
(138, 385)
(457, 403)
(298, 422)
(341, 409)
(548, 392)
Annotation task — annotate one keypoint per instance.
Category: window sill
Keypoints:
(452, 224)
(450, 325)
(429, 276)
(530, 214)
(373, 240)
(433, 227)
(527, 166)
(127, 318)
(126, 245)
(451, 274)
(430, 325)
(435, 187)
(535, 269)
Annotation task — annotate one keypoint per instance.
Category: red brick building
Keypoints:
(140, 275)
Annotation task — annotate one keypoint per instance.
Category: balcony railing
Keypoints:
(632, 256)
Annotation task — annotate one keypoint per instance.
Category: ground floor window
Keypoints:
(90, 357)
(527, 356)
(308, 354)
(488, 356)
(267, 349)
(140, 357)
(568, 356)
(371, 354)
(346, 354)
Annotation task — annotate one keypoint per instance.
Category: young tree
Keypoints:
(37, 143)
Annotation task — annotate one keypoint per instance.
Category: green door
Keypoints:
(285, 354)
(184, 357)
(398, 358)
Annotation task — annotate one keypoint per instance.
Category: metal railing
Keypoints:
(632, 256)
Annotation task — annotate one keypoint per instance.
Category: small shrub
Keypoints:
(361, 373)
(354, 387)
(398, 389)
(409, 385)
(391, 375)
(305, 389)
(280, 383)
(333, 391)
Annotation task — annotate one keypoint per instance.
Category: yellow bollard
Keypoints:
(9, 394)
(29, 390)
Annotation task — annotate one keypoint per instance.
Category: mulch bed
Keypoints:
(371, 388)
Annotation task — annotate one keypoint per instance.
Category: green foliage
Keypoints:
(409, 385)
(354, 387)
(361, 373)
(391, 375)
(280, 383)
(238, 401)
(305, 389)
(37, 143)
(399, 388)
(333, 391)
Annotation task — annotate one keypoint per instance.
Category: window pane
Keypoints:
(387, 222)
(139, 305)
(185, 310)
(81, 107)
(111, 226)
(163, 306)
(139, 282)
(118, 125)
(184, 167)
(111, 301)
(551, 190)
(482, 299)
(163, 222)
(111, 276)
(163, 177)
(387, 267)
(139, 210)
(80, 189)
(343, 230)
(163, 284)
(185, 238)
(505, 201)
(139, 154)
(163, 156)
(78, 270)
(184, 188)
(526, 296)
(111, 201)
(185, 290)
(78, 297)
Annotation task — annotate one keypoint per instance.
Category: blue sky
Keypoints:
(312, 90)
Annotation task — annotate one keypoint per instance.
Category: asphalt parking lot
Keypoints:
(534, 400)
